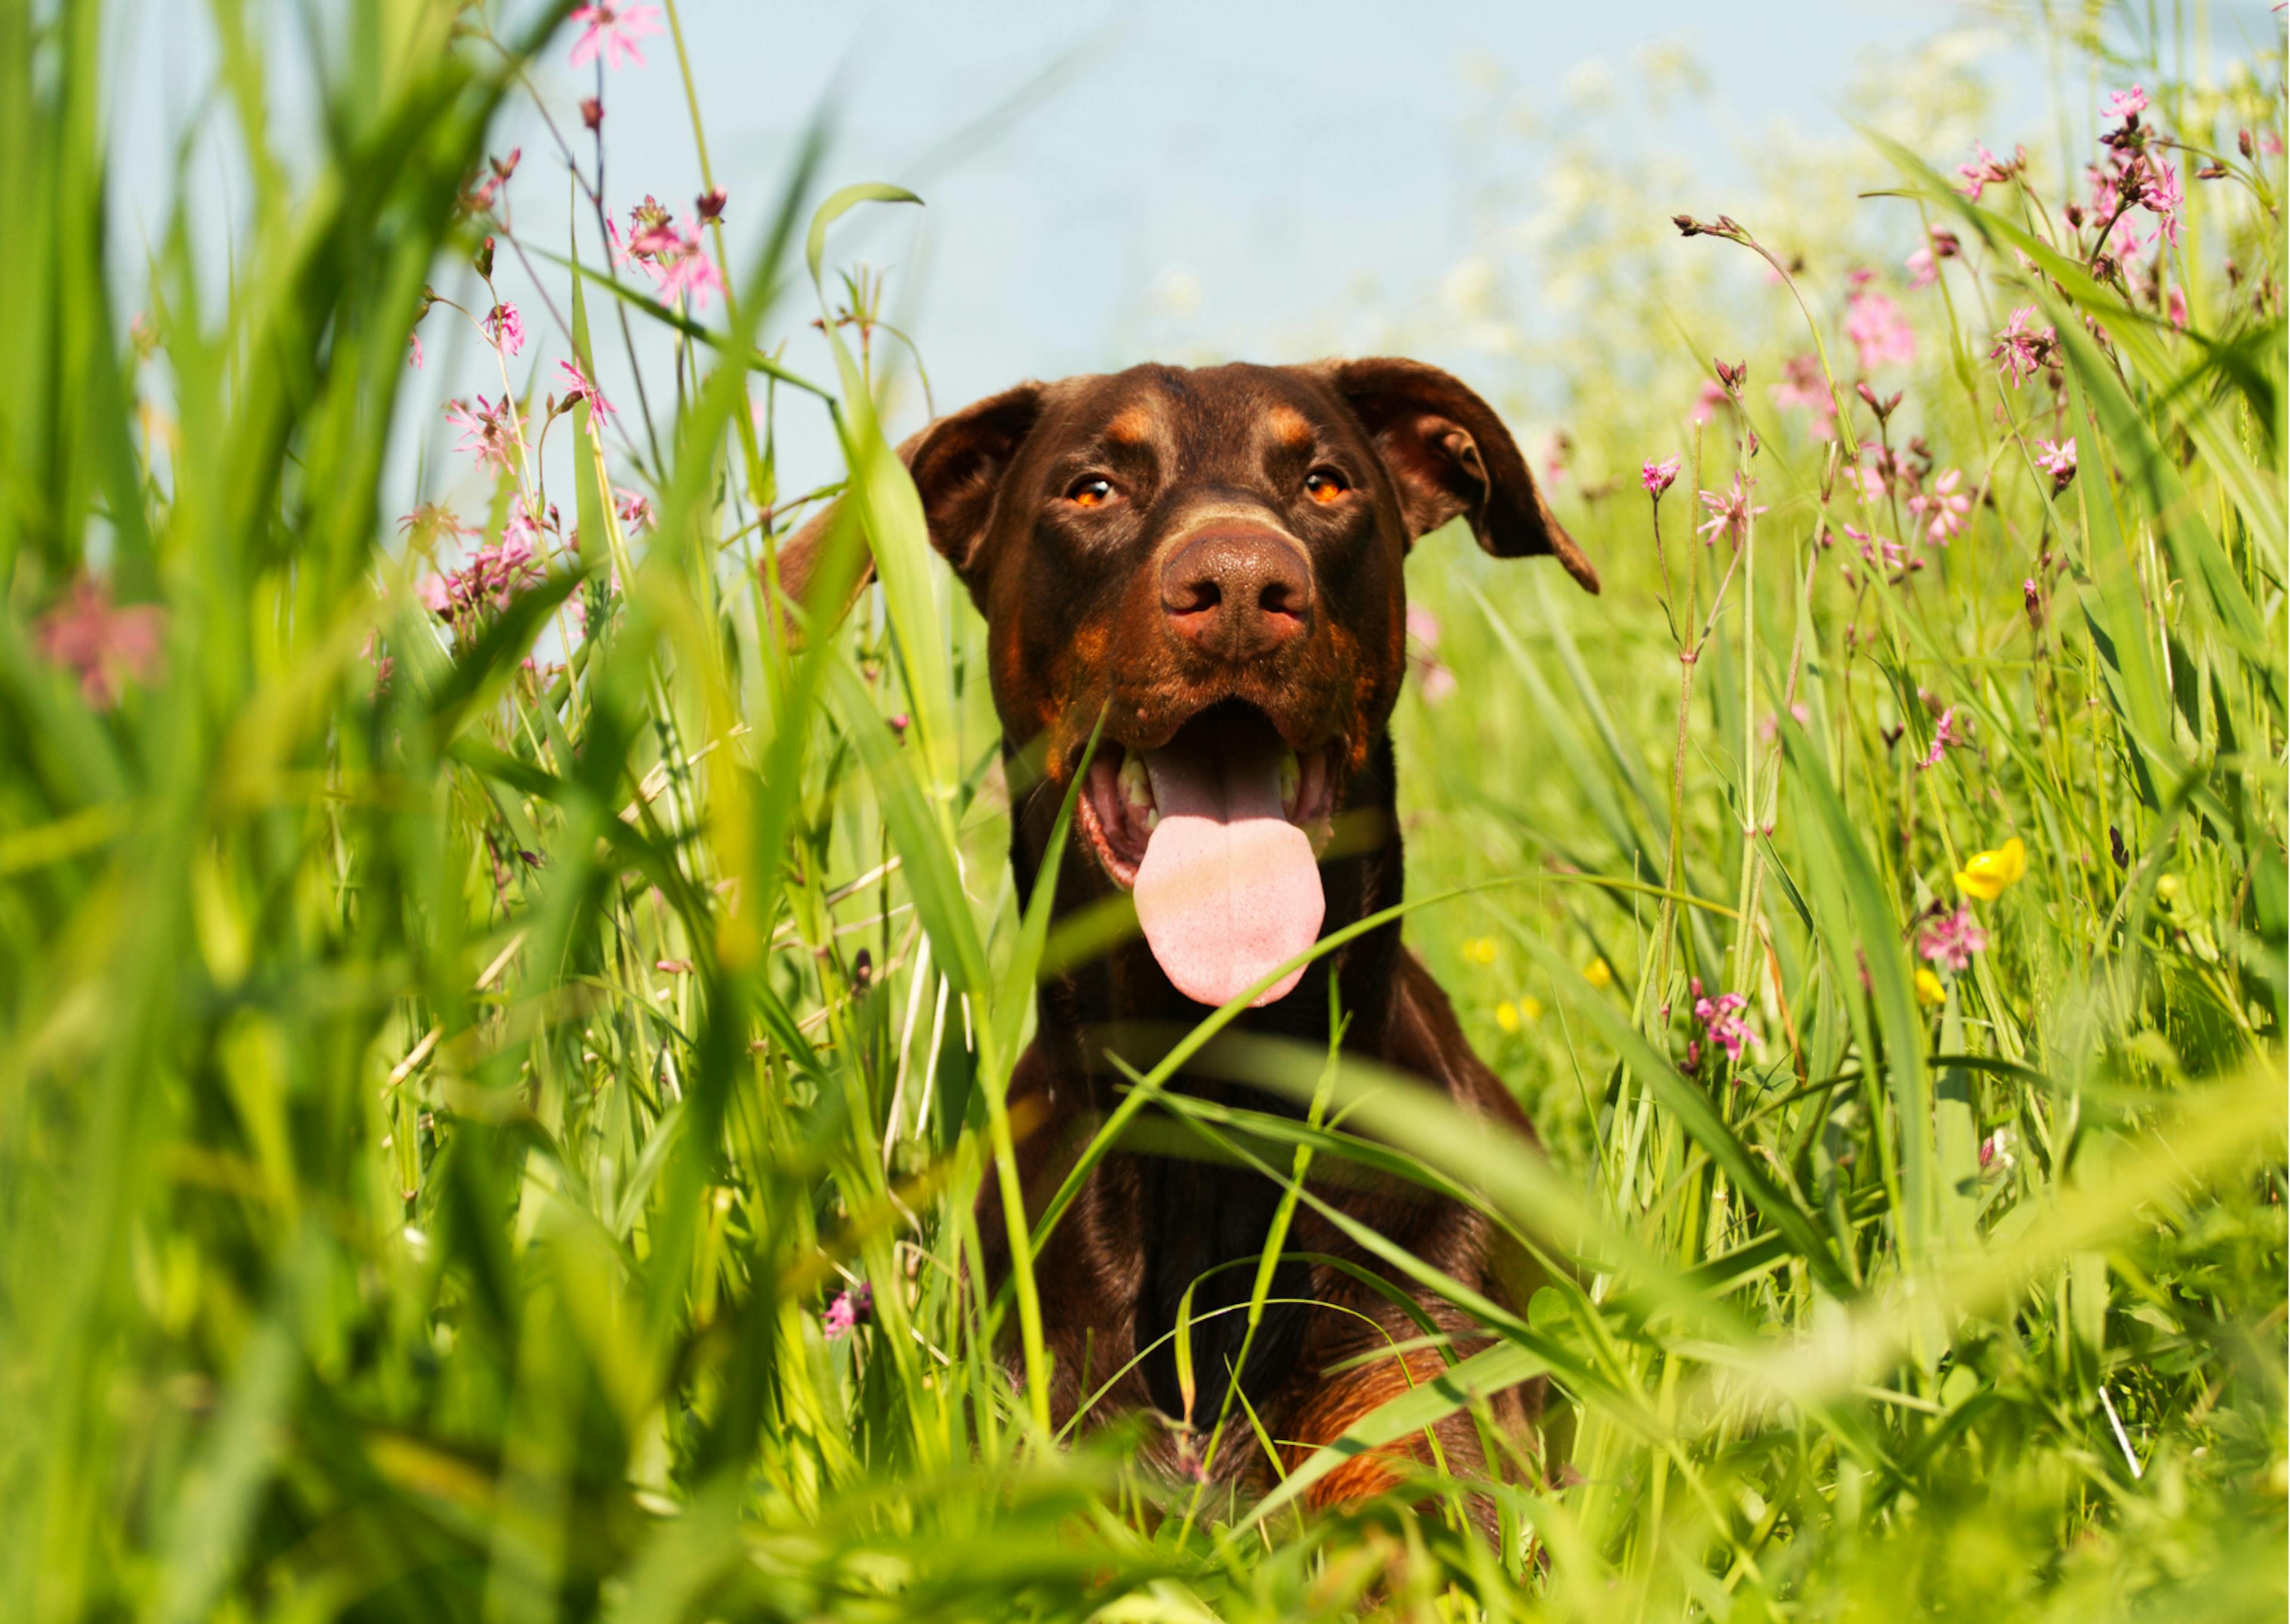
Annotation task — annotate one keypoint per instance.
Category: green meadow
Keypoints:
(504, 1045)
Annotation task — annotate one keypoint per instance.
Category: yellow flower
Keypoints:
(1510, 1016)
(1928, 987)
(1986, 874)
(1599, 972)
(1480, 950)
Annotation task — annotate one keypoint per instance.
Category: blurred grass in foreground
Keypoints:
(500, 1054)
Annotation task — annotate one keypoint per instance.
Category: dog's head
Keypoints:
(1211, 559)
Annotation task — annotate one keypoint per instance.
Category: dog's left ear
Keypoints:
(1448, 453)
(958, 462)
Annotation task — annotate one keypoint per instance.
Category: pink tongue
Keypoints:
(1229, 888)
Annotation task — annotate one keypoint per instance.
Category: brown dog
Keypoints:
(1211, 559)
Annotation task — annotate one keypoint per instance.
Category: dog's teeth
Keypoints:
(1292, 774)
(1136, 787)
(1152, 818)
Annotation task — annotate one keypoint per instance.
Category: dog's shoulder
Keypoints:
(1425, 1038)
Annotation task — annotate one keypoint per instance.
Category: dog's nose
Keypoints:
(1238, 593)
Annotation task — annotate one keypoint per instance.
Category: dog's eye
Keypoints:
(1325, 485)
(1090, 490)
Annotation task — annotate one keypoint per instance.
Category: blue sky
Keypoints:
(1100, 177)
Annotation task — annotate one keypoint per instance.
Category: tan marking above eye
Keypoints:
(1289, 426)
(1324, 485)
(1131, 424)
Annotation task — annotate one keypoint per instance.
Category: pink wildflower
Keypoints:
(1945, 738)
(1881, 553)
(848, 1311)
(104, 645)
(635, 508)
(2164, 197)
(504, 328)
(1802, 385)
(2022, 349)
(577, 386)
(1655, 478)
(1924, 265)
(612, 31)
(1945, 506)
(488, 431)
(1879, 330)
(486, 584)
(2126, 104)
(525, 531)
(2125, 240)
(2177, 306)
(414, 359)
(1721, 1019)
(1986, 169)
(1730, 513)
(2057, 457)
(432, 520)
(672, 257)
(1770, 728)
(1432, 676)
(385, 666)
(1706, 403)
(1951, 943)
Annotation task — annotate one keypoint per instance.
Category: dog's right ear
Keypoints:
(957, 463)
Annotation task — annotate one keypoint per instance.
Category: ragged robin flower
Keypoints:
(1946, 736)
(2021, 349)
(489, 430)
(1951, 942)
(1721, 1019)
(106, 646)
(504, 328)
(611, 31)
(1880, 332)
(1730, 513)
(848, 1311)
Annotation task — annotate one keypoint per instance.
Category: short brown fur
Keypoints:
(1067, 579)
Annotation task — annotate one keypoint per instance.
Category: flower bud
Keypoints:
(592, 113)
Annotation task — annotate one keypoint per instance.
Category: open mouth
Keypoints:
(1217, 834)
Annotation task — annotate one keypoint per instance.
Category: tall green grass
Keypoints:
(450, 1070)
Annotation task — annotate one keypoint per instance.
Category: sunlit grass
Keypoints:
(502, 1042)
